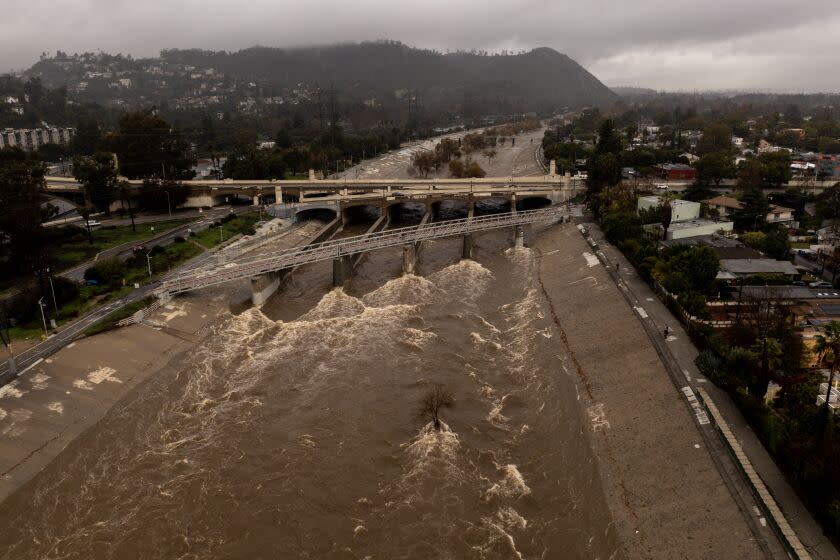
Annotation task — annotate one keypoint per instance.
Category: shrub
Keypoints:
(65, 289)
(109, 272)
(709, 364)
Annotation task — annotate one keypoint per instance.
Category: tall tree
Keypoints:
(21, 213)
(716, 137)
(604, 166)
(753, 213)
(98, 176)
(88, 137)
(149, 147)
(828, 347)
(714, 167)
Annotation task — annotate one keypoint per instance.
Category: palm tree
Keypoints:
(828, 348)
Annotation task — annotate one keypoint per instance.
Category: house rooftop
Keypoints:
(725, 201)
(758, 266)
(691, 224)
(789, 292)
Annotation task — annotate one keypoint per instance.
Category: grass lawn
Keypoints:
(244, 223)
(163, 260)
(71, 247)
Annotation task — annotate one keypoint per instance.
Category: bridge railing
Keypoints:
(272, 261)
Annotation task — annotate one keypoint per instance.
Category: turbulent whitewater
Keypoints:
(293, 432)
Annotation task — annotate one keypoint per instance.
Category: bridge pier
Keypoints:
(278, 194)
(409, 258)
(342, 268)
(467, 247)
(519, 237)
(264, 285)
(256, 199)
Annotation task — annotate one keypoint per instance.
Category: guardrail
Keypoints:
(273, 261)
(768, 504)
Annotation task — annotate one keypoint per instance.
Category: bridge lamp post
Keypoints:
(221, 234)
(41, 306)
(149, 263)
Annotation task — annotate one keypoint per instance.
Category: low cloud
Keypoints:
(665, 44)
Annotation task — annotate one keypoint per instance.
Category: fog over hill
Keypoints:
(541, 80)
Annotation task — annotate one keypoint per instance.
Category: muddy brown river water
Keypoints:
(292, 431)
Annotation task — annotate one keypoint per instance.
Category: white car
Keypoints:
(661, 186)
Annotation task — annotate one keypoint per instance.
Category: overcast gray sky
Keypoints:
(664, 44)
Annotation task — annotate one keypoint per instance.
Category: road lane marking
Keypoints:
(702, 417)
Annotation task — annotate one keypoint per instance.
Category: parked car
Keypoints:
(661, 186)
(93, 223)
(820, 284)
(138, 249)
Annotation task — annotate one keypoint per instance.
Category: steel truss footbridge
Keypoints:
(232, 268)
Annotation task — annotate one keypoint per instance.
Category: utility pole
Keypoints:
(149, 263)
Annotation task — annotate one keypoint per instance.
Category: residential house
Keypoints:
(676, 171)
(828, 166)
(727, 206)
(685, 218)
(731, 269)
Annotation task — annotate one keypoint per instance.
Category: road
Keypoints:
(678, 350)
(518, 160)
(54, 343)
(71, 330)
(125, 250)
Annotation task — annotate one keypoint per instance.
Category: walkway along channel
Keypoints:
(793, 535)
(340, 249)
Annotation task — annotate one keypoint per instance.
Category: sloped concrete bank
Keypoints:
(666, 495)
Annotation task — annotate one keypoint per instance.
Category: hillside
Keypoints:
(378, 74)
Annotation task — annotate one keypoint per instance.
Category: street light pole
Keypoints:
(168, 203)
(221, 234)
(7, 342)
(149, 263)
(41, 306)
(52, 289)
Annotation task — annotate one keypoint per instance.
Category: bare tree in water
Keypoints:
(437, 398)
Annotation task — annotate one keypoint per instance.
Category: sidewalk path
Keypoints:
(683, 352)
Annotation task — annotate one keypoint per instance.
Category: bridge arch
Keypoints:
(532, 203)
(322, 213)
(362, 213)
(450, 209)
(407, 212)
(492, 205)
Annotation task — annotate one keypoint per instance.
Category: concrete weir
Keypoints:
(411, 252)
(264, 285)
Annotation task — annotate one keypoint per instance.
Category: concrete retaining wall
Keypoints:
(765, 500)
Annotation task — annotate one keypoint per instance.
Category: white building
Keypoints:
(681, 210)
(32, 139)
(696, 227)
